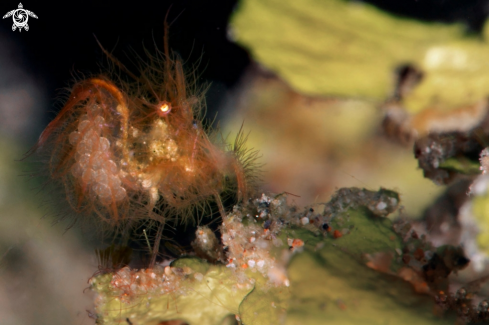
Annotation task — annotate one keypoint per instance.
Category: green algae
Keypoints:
(338, 289)
(331, 283)
(347, 49)
(265, 306)
(207, 301)
(462, 165)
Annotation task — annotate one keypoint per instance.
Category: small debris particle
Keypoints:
(305, 221)
(406, 258)
(483, 306)
(341, 304)
(168, 271)
(326, 227)
(199, 276)
(251, 263)
(381, 206)
(418, 254)
(297, 243)
(337, 234)
(290, 241)
(461, 294)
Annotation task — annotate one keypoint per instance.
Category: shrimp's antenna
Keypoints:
(125, 69)
(115, 60)
(166, 48)
(174, 20)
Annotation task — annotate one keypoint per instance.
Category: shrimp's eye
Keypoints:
(164, 108)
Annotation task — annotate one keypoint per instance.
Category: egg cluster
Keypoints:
(94, 165)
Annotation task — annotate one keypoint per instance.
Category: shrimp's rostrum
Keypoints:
(123, 149)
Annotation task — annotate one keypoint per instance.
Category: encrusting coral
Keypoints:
(342, 261)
